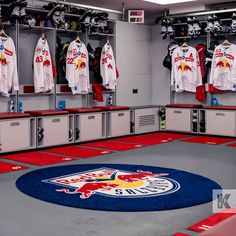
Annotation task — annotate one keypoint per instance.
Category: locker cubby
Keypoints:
(195, 121)
(202, 122)
(27, 41)
(33, 132)
(10, 30)
(71, 128)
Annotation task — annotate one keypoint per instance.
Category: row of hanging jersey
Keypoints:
(8, 65)
(44, 70)
(77, 67)
(223, 70)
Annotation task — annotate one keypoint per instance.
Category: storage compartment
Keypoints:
(118, 123)
(195, 121)
(220, 122)
(202, 121)
(89, 126)
(53, 130)
(16, 134)
(178, 119)
(146, 120)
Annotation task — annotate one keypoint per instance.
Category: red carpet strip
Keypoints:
(208, 140)
(180, 234)
(38, 158)
(114, 146)
(142, 139)
(211, 221)
(232, 145)
(9, 167)
(167, 136)
(74, 151)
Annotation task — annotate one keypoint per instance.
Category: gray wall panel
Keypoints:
(133, 61)
(160, 75)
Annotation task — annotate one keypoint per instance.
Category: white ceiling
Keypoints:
(139, 4)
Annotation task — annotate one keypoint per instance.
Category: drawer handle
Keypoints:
(178, 112)
(220, 114)
(121, 114)
(56, 121)
(15, 124)
(91, 117)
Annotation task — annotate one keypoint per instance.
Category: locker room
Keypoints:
(117, 117)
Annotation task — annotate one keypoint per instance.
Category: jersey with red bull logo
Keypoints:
(77, 68)
(43, 67)
(223, 70)
(108, 67)
(186, 71)
(8, 66)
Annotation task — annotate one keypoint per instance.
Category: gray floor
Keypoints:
(22, 215)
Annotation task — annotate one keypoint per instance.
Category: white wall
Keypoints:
(134, 64)
(160, 75)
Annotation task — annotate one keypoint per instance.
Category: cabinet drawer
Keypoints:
(178, 119)
(15, 135)
(220, 122)
(90, 126)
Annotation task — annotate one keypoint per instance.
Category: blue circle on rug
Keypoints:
(115, 187)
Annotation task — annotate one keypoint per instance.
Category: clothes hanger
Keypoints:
(184, 44)
(226, 42)
(2, 32)
(78, 39)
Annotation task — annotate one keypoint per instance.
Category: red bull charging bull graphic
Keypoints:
(117, 187)
(115, 183)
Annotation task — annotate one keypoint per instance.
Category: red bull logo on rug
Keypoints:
(115, 183)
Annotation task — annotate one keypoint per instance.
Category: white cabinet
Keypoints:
(90, 126)
(17, 134)
(53, 130)
(178, 119)
(220, 122)
(146, 120)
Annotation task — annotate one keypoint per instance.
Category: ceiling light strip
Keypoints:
(202, 13)
(84, 6)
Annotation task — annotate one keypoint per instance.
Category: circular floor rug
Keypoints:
(113, 187)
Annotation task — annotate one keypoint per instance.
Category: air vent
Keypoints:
(146, 120)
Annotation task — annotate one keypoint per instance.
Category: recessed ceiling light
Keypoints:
(165, 2)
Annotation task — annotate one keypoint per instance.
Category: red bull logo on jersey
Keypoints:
(115, 183)
(184, 67)
(224, 64)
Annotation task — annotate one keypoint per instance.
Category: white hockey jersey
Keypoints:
(43, 72)
(223, 69)
(108, 67)
(186, 71)
(8, 66)
(77, 68)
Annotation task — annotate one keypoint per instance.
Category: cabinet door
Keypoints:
(14, 135)
(118, 123)
(90, 126)
(56, 130)
(220, 122)
(178, 119)
(146, 120)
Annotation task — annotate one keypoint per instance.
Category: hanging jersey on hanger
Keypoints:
(223, 69)
(186, 71)
(8, 66)
(77, 68)
(43, 67)
(108, 67)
